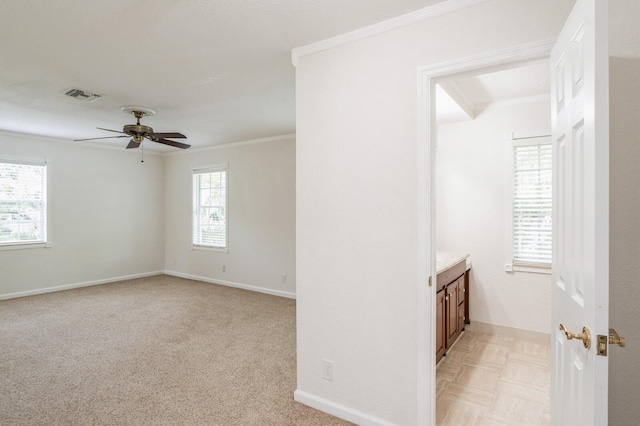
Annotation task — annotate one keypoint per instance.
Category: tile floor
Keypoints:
(494, 380)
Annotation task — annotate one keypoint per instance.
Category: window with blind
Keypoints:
(530, 203)
(210, 208)
(23, 203)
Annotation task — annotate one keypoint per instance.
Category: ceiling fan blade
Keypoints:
(174, 135)
(105, 137)
(172, 143)
(133, 144)
(109, 130)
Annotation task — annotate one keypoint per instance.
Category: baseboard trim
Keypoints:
(503, 330)
(265, 290)
(339, 410)
(77, 285)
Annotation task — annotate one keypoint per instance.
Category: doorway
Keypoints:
(427, 201)
(502, 359)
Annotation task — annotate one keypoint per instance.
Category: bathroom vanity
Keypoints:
(452, 299)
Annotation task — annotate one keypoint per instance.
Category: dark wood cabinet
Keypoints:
(461, 317)
(440, 320)
(466, 298)
(451, 307)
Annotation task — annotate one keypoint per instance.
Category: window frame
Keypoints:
(45, 242)
(512, 140)
(210, 169)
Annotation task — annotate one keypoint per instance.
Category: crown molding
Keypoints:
(498, 59)
(424, 14)
(59, 140)
(232, 144)
(30, 136)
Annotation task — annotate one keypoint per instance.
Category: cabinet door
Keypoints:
(461, 290)
(440, 332)
(466, 298)
(461, 317)
(461, 304)
(451, 303)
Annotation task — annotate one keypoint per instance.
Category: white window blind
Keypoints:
(23, 202)
(210, 207)
(531, 213)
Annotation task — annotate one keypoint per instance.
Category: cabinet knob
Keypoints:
(446, 298)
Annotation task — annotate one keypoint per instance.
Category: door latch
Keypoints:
(612, 339)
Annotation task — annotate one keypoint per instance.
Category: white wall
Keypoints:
(261, 179)
(111, 216)
(357, 202)
(471, 188)
(106, 217)
(624, 205)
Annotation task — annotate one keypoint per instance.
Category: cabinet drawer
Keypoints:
(447, 276)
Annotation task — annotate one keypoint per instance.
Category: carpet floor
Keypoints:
(151, 351)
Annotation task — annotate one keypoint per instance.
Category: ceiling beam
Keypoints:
(458, 96)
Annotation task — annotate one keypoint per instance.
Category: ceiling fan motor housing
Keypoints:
(137, 130)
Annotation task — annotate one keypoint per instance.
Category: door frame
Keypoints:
(426, 200)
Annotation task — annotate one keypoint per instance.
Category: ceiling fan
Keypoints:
(138, 132)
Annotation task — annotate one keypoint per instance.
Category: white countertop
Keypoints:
(445, 260)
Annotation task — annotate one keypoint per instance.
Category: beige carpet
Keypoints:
(152, 351)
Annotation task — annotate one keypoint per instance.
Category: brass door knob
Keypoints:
(585, 336)
(614, 339)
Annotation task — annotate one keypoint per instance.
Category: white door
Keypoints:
(580, 289)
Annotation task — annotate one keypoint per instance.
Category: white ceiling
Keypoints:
(522, 82)
(218, 71)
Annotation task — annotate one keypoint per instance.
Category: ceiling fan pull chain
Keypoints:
(142, 147)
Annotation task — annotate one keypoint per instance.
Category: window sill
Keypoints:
(21, 246)
(532, 269)
(209, 248)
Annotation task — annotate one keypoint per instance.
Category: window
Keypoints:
(210, 208)
(23, 203)
(529, 201)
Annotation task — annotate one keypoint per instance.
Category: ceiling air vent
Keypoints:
(82, 95)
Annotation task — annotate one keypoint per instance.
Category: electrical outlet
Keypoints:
(284, 278)
(224, 268)
(327, 370)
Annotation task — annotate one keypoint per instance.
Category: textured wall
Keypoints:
(358, 202)
(261, 179)
(624, 257)
(470, 185)
(106, 216)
